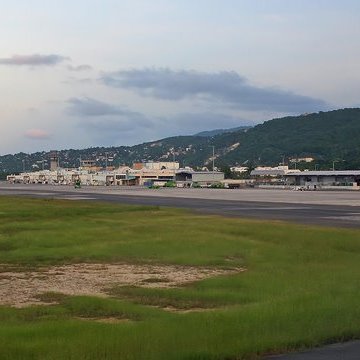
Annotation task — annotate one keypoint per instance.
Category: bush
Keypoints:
(217, 186)
(170, 184)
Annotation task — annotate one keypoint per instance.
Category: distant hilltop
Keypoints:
(327, 138)
(222, 131)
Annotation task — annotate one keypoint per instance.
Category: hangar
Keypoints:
(314, 179)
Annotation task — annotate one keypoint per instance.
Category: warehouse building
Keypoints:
(204, 178)
(324, 179)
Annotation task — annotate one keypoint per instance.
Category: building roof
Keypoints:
(270, 172)
(183, 171)
(326, 173)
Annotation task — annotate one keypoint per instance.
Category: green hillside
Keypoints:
(325, 136)
(222, 131)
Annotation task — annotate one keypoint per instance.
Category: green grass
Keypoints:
(301, 287)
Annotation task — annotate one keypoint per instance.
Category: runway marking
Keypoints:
(41, 193)
(75, 197)
(344, 217)
(267, 208)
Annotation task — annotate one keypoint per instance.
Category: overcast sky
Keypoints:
(84, 73)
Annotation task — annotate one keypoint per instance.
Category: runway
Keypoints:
(336, 209)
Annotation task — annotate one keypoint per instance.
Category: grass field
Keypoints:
(301, 287)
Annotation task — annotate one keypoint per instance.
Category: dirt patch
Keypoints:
(108, 320)
(22, 288)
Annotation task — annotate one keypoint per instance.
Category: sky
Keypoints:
(86, 73)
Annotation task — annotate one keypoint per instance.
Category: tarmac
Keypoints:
(326, 208)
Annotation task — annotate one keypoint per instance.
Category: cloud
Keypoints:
(111, 123)
(87, 106)
(227, 87)
(37, 134)
(190, 123)
(33, 60)
(106, 118)
(113, 127)
(83, 67)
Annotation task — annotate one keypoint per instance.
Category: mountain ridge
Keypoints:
(214, 132)
(329, 137)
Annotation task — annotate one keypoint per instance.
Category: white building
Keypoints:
(239, 169)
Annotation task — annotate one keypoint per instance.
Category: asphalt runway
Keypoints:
(341, 351)
(311, 208)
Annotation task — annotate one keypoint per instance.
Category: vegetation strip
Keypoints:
(301, 287)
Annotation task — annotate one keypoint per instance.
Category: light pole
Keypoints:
(213, 162)
(333, 167)
(23, 163)
(174, 175)
(106, 161)
(213, 157)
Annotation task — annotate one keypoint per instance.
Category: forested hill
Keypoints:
(325, 136)
(222, 131)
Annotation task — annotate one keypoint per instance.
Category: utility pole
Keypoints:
(213, 162)
(106, 160)
(333, 167)
(23, 163)
(213, 157)
(174, 176)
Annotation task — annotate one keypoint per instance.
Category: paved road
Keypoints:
(312, 208)
(344, 351)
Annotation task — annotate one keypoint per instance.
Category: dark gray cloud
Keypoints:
(112, 127)
(225, 87)
(89, 107)
(111, 130)
(106, 118)
(83, 67)
(33, 60)
(113, 124)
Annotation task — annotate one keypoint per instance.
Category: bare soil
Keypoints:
(22, 288)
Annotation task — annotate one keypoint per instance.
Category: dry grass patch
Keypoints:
(22, 288)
